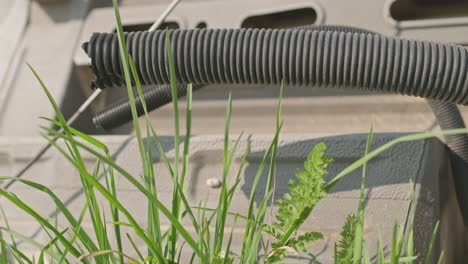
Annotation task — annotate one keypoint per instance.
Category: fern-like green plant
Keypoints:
(344, 248)
(297, 205)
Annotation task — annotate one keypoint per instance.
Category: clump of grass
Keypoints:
(69, 242)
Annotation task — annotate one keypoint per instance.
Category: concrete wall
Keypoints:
(388, 190)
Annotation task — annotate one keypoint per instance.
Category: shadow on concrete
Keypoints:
(397, 165)
(61, 11)
(65, 11)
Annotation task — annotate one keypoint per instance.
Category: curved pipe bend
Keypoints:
(297, 56)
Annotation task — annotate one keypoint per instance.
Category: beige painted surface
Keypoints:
(332, 114)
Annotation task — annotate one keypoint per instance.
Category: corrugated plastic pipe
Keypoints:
(297, 56)
(449, 117)
(119, 113)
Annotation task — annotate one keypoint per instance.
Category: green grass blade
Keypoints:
(397, 244)
(228, 247)
(135, 247)
(223, 199)
(128, 73)
(272, 169)
(233, 188)
(427, 260)
(132, 180)
(75, 155)
(227, 195)
(22, 237)
(179, 256)
(19, 256)
(107, 195)
(115, 212)
(367, 259)
(49, 245)
(76, 230)
(154, 223)
(335, 253)
(410, 240)
(249, 226)
(95, 142)
(380, 252)
(254, 225)
(271, 179)
(73, 150)
(188, 134)
(153, 213)
(3, 250)
(27, 209)
(407, 259)
(175, 104)
(175, 199)
(51, 100)
(127, 63)
(7, 224)
(394, 257)
(205, 232)
(176, 185)
(441, 258)
(97, 220)
(359, 235)
(83, 236)
(413, 137)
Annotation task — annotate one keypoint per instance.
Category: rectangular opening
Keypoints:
(406, 10)
(146, 26)
(283, 19)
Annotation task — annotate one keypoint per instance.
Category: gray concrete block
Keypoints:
(388, 177)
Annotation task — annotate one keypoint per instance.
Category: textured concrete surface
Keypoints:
(343, 114)
(5, 8)
(388, 196)
(13, 20)
(48, 44)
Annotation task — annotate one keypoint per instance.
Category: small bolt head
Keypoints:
(214, 183)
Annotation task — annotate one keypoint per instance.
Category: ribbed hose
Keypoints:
(335, 28)
(120, 112)
(449, 117)
(299, 57)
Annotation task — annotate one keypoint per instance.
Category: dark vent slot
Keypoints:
(146, 26)
(404, 10)
(283, 19)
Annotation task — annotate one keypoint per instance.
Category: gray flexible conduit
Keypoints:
(449, 117)
(299, 57)
(311, 56)
(120, 112)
